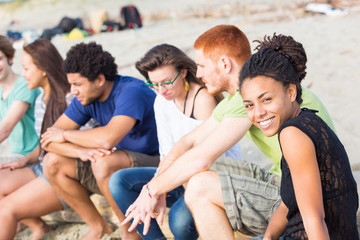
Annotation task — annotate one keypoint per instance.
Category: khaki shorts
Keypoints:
(86, 177)
(250, 194)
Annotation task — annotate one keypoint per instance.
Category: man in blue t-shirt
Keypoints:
(82, 161)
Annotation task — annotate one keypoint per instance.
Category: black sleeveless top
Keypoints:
(192, 110)
(339, 189)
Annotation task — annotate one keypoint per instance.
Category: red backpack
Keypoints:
(131, 17)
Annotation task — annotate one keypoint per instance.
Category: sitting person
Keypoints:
(319, 197)
(17, 105)
(80, 162)
(42, 69)
(181, 105)
(238, 195)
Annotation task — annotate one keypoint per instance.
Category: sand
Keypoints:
(331, 43)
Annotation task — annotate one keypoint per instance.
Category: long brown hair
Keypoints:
(47, 58)
(165, 54)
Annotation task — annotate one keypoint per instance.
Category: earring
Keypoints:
(186, 85)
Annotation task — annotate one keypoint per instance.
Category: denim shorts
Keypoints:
(86, 177)
(250, 194)
(38, 170)
(262, 236)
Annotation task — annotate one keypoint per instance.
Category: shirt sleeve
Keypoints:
(77, 112)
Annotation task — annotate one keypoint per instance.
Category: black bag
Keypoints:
(109, 26)
(49, 33)
(131, 17)
(67, 24)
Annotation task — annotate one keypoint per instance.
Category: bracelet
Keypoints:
(148, 191)
(62, 134)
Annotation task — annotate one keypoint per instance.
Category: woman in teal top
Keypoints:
(16, 105)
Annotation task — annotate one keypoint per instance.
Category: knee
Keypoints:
(102, 170)
(198, 188)
(51, 165)
(115, 183)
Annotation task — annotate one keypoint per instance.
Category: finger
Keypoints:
(160, 218)
(105, 151)
(91, 158)
(127, 220)
(134, 224)
(130, 209)
(147, 224)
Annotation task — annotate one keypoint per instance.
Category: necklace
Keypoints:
(187, 94)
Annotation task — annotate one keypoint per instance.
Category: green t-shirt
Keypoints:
(232, 106)
(23, 138)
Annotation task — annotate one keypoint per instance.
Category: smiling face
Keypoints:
(268, 103)
(210, 73)
(85, 91)
(168, 73)
(34, 76)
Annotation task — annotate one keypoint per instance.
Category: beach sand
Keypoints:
(331, 44)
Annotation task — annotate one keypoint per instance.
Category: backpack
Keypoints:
(131, 17)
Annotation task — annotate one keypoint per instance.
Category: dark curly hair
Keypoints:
(279, 57)
(287, 46)
(90, 60)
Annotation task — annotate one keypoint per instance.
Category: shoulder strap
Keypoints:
(192, 110)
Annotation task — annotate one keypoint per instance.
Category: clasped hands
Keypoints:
(54, 134)
(143, 209)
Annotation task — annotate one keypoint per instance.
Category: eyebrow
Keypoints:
(260, 96)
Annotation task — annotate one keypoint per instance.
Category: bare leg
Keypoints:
(24, 203)
(61, 173)
(103, 168)
(11, 180)
(204, 198)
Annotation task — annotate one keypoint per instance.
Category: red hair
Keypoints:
(224, 40)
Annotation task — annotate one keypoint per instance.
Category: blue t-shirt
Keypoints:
(129, 97)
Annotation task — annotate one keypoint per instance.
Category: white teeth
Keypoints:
(266, 122)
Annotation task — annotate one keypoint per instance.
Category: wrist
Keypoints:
(152, 196)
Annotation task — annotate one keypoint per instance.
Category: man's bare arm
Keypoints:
(202, 155)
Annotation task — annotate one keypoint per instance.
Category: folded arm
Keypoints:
(105, 137)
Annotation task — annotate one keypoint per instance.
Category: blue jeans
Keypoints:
(125, 186)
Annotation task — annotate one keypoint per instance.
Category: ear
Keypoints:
(11, 61)
(101, 80)
(292, 92)
(183, 73)
(225, 63)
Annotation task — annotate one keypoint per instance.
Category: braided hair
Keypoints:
(279, 57)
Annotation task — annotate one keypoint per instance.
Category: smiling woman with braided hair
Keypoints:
(319, 197)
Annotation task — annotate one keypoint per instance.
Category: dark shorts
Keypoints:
(86, 177)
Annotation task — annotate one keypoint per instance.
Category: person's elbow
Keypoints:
(203, 164)
(5, 133)
(108, 143)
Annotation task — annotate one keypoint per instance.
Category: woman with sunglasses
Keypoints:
(181, 105)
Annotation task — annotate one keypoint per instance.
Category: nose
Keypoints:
(161, 89)
(73, 90)
(259, 111)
